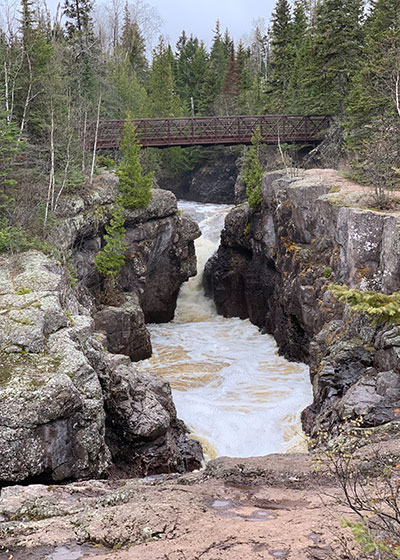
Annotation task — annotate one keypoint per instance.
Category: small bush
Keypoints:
(328, 272)
(105, 161)
(383, 308)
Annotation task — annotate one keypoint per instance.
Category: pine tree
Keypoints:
(281, 58)
(135, 188)
(111, 259)
(163, 99)
(336, 48)
(253, 172)
(231, 89)
(133, 46)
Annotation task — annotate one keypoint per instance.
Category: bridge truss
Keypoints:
(207, 131)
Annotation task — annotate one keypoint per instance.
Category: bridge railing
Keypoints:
(190, 131)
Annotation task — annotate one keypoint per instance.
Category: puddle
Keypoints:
(222, 504)
(64, 553)
(278, 553)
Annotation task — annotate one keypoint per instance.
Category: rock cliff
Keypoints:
(275, 266)
(68, 408)
(213, 181)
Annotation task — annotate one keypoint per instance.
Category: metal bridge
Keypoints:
(207, 131)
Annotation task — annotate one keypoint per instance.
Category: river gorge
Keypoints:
(98, 396)
(238, 397)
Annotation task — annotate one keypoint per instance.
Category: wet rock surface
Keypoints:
(275, 266)
(259, 508)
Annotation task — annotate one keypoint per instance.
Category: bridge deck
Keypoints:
(205, 131)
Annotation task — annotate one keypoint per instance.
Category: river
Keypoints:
(230, 386)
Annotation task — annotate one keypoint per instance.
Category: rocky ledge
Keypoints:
(70, 409)
(248, 509)
(275, 267)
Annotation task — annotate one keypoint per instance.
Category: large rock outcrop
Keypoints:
(275, 266)
(68, 408)
(160, 256)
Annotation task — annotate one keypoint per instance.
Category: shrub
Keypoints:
(383, 308)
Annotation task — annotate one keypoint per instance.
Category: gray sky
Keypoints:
(199, 17)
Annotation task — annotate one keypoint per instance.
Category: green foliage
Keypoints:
(383, 308)
(105, 161)
(277, 86)
(135, 188)
(13, 239)
(163, 99)
(327, 272)
(111, 258)
(253, 173)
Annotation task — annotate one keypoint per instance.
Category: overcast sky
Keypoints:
(199, 17)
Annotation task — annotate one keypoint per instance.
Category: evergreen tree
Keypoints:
(78, 13)
(9, 147)
(111, 259)
(280, 64)
(231, 89)
(253, 172)
(336, 48)
(191, 65)
(373, 124)
(135, 187)
(133, 46)
(299, 60)
(163, 99)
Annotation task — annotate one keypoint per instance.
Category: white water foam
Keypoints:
(230, 386)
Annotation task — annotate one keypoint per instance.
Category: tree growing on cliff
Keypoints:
(253, 172)
(111, 258)
(135, 188)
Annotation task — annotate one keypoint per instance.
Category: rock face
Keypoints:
(51, 403)
(69, 409)
(213, 181)
(160, 256)
(274, 266)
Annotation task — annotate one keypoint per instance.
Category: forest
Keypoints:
(59, 73)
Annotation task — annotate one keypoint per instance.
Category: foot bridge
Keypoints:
(208, 131)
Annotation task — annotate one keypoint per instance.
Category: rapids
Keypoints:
(230, 386)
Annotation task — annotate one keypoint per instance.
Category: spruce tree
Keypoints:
(133, 47)
(111, 259)
(336, 49)
(163, 99)
(135, 188)
(373, 112)
(253, 172)
(231, 88)
(281, 57)
(190, 66)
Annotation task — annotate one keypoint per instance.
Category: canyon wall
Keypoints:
(275, 267)
(72, 403)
